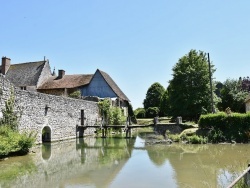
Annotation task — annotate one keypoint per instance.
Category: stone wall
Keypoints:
(61, 115)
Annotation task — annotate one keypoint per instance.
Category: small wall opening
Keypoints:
(46, 134)
(82, 117)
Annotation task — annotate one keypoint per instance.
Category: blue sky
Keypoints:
(137, 42)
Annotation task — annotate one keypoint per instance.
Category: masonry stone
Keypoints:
(62, 115)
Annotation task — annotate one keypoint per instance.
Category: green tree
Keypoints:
(189, 90)
(10, 117)
(164, 106)
(104, 108)
(140, 113)
(232, 96)
(131, 113)
(153, 96)
(152, 112)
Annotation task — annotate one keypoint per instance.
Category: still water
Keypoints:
(123, 163)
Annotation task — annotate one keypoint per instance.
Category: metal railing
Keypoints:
(245, 175)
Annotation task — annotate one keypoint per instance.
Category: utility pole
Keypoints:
(211, 88)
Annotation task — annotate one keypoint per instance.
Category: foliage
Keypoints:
(189, 90)
(174, 137)
(76, 94)
(10, 117)
(112, 115)
(153, 96)
(216, 136)
(14, 142)
(226, 127)
(131, 113)
(152, 112)
(195, 139)
(104, 107)
(164, 106)
(116, 117)
(11, 141)
(245, 83)
(233, 96)
(140, 113)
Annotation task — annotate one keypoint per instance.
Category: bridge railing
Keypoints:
(243, 179)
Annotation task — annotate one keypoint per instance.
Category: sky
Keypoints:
(137, 42)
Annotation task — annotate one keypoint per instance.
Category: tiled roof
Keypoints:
(25, 74)
(67, 81)
(114, 86)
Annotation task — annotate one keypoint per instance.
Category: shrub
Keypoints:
(104, 107)
(13, 142)
(226, 127)
(174, 137)
(140, 113)
(152, 112)
(116, 116)
(195, 139)
(76, 94)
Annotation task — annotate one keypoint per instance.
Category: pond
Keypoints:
(119, 162)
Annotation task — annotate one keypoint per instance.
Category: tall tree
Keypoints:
(233, 96)
(189, 90)
(164, 106)
(153, 96)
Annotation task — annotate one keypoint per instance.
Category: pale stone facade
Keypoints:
(60, 117)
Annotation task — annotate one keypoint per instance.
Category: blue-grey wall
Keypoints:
(98, 87)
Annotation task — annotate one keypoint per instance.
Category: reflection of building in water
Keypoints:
(77, 162)
(46, 151)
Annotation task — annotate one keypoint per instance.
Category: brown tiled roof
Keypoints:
(25, 74)
(67, 81)
(113, 86)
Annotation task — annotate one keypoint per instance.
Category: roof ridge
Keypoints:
(28, 62)
(119, 92)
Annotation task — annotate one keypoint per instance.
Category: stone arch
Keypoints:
(46, 134)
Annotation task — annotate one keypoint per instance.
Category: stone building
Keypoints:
(26, 76)
(37, 76)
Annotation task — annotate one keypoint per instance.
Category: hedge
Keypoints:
(233, 126)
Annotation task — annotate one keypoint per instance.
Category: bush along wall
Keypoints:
(11, 141)
(225, 127)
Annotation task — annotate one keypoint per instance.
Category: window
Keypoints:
(23, 87)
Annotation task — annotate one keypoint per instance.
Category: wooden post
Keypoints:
(128, 132)
(102, 133)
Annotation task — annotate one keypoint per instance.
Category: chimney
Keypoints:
(61, 73)
(5, 65)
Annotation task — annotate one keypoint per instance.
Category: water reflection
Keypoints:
(119, 162)
(46, 151)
